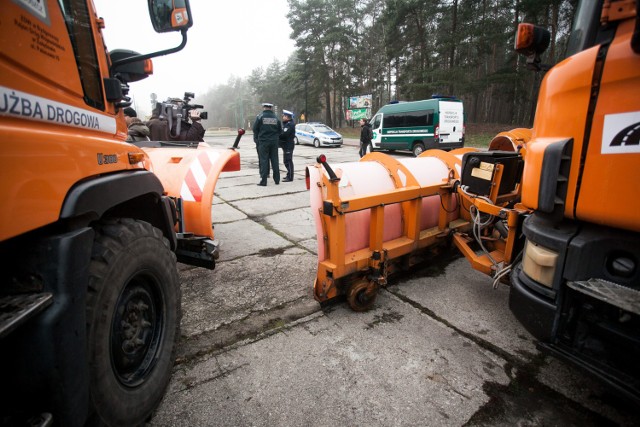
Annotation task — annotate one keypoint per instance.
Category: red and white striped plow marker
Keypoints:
(192, 174)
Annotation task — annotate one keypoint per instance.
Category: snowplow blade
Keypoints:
(189, 176)
(510, 140)
(375, 216)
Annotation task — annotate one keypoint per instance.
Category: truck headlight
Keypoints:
(539, 263)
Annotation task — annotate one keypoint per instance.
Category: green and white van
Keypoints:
(419, 125)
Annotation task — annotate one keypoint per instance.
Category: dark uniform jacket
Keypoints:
(159, 129)
(267, 127)
(189, 132)
(287, 137)
(366, 134)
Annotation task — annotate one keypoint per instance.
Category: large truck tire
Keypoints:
(133, 320)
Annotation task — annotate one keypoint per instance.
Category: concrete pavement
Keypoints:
(440, 346)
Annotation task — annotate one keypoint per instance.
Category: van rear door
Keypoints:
(451, 129)
(376, 129)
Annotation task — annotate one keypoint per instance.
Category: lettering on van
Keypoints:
(450, 117)
(621, 133)
(23, 105)
(407, 131)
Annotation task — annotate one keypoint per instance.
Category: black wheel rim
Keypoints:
(363, 299)
(137, 330)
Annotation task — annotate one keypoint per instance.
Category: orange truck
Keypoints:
(551, 210)
(91, 225)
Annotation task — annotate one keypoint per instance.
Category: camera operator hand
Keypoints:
(194, 115)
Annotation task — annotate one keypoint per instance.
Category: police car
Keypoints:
(318, 134)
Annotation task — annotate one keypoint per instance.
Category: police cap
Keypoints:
(287, 113)
(267, 105)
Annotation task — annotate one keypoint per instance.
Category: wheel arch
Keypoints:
(135, 194)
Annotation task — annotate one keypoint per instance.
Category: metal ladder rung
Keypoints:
(620, 296)
(17, 309)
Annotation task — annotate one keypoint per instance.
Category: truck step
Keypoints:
(17, 309)
(622, 297)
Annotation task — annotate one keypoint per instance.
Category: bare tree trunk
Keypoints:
(516, 94)
(554, 30)
(452, 52)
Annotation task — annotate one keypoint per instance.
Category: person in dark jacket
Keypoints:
(365, 136)
(158, 125)
(136, 130)
(266, 132)
(287, 142)
(191, 130)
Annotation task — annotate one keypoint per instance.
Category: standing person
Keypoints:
(136, 130)
(287, 141)
(365, 136)
(266, 132)
(158, 125)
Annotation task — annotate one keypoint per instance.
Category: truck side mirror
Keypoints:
(170, 15)
(532, 41)
(130, 71)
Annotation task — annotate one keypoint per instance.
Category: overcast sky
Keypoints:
(227, 38)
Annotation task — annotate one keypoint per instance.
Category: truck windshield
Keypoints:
(585, 25)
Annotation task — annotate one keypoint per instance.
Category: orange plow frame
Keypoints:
(358, 273)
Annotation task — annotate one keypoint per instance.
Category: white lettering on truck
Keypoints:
(14, 103)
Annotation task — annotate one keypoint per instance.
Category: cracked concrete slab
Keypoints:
(296, 225)
(340, 368)
(238, 288)
(246, 237)
(440, 346)
(223, 212)
(467, 300)
(271, 204)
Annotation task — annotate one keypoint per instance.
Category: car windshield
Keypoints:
(323, 128)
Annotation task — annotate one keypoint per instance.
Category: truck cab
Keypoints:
(90, 294)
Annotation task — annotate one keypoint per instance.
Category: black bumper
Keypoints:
(589, 331)
(535, 312)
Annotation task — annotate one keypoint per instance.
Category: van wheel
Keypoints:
(133, 320)
(316, 143)
(418, 149)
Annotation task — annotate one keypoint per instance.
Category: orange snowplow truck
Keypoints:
(91, 225)
(552, 210)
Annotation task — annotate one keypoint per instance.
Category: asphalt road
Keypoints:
(440, 347)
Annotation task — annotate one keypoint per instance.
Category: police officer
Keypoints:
(287, 142)
(266, 132)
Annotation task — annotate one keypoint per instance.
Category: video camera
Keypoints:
(176, 111)
(188, 96)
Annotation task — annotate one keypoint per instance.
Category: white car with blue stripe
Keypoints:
(318, 135)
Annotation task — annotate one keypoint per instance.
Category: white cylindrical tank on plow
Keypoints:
(377, 173)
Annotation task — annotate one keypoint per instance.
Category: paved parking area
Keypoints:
(440, 346)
